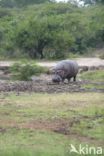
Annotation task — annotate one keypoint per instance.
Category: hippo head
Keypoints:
(56, 78)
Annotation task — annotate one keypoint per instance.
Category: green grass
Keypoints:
(40, 143)
(93, 86)
(97, 75)
(33, 142)
(19, 135)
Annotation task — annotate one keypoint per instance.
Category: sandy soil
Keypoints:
(81, 61)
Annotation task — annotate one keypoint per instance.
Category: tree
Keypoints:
(39, 35)
(33, 38)
(50, 30)
(7, 3)
(93, 1)
(20, 3)
(29, 2)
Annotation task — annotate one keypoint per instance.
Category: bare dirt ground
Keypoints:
(42, 83)
(42, 86)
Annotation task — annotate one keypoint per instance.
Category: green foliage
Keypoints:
(20, 3)
(50, 30)
(24, 71)
(4, 12)
(93, 1)
(40, 35)
(73, 55)
(102, 56)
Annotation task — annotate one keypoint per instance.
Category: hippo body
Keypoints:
(65, 69)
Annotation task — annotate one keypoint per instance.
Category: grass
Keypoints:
(93, 86)
(28, 123)
(33, 142)
(97, 75)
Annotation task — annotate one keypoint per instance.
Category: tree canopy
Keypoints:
(50, 30)
(20, 3)
(93, 1)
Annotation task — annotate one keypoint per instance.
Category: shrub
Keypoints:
(24, 71)
(102, 56)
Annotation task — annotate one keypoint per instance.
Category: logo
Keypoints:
(85, 149)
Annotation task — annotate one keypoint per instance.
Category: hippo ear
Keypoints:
(61, 72)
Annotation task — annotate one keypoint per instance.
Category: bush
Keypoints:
(54, 29)
(24, 71)
(102, 56)
(73, 55)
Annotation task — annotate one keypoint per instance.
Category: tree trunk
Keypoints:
(33, 54)
(40, 51)
(41, 54)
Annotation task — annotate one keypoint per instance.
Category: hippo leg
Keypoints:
(68, 79)
(74, 78)
(63, 80)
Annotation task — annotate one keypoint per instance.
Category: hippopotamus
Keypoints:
(65, 69)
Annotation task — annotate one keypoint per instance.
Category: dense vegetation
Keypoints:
(25, 71)
(93, 1)
(50, 29)
(20, 3)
